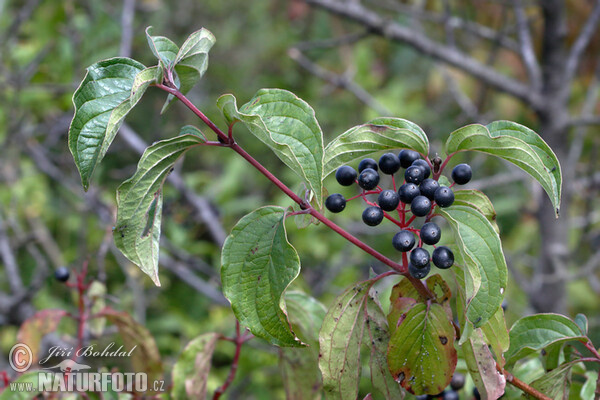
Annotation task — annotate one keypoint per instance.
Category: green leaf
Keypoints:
(286, 124)
(192, 130)
(421, 353)
(485, 267)
(377, 135)
(589, 387)
(300, 366)
(97, 295)
(496, 335)
(340, 339)
(102, 102)
(190, 372)
(556, 383)
(582, 322)
(163, 48)
(258, 264)
(21, 385)
(482, 366)
(139, 203)
(145, 356)
(479, 201)
(191, 62)
(306, 313)
(378, 335)
(534, 332)
(514, 143)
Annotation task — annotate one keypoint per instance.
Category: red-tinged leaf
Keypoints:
(36, 327)
(137, 339)
(421, 354)
(190, 372)
(482, 366)
(398, 310)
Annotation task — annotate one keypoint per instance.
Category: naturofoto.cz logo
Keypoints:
(70, 376)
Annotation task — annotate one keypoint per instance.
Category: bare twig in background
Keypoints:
(127, 27)
(10, 262)
(336, 80)
(526, 47)
(581, 43)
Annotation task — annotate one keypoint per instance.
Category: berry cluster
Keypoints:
(419, 192)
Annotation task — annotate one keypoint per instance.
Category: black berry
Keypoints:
(414, 175)
(388, 200)
(444, 196)
(407, 157)
(367, 163)
(389, 163)
(461, 174)
(419, 257)
(403, 241)
(345, 175)
(408, 192)
(450, 395)
(61, 274)
(442, 257)
(430, 233)
(418, 273)
(372, 216)
(423, 164)
(476, 394)
(458, 381)
(428, 188)
(368, 179)
(335, 203)
(420, 206)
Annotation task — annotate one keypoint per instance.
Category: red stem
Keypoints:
(436, 176)
(513, 380)
(239, 340)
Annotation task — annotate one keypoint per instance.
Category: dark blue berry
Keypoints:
(418, 273)
(430, 233)
(442, 257)
(368, 179)
(444, 196)
(345, 175)
(367, 163)
(476, 394)
(420, 206)
(428, 187)
(462, 174)
(389, 163)
(414, 175)
(61, 274)
(372, 216)
(335, 203)
(407, 157)
(450, 395)
(423, 164)
(408, 192)
(403, 241)
(419, 257)
(388, 200)
(458, 381)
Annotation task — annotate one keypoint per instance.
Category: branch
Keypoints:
(513, 380)
(332, 42)
(425, 45)
(339, 81)
(585, 120)
(10, 262)
(581, 43)
(127, 27)
(526, 47)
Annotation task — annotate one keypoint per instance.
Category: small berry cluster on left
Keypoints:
(416, 197)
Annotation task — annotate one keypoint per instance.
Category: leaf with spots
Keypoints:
(485, 271)
(340, 340)
(535, 332)
(514, 143)
(482, 366)
(377, 135)
(139, 203)
(287, 124)
(108, 92)
(258, 264)
(378, 337)
(421, 354)
(190, 372)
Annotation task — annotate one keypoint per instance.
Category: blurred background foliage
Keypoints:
(49, 221)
